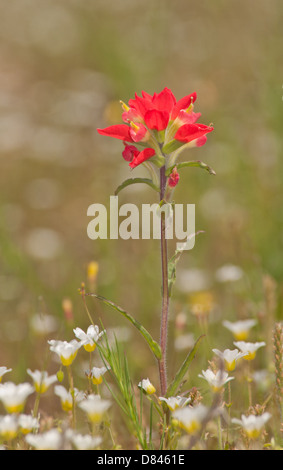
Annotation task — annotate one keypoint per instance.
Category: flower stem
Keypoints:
(165, 291)
(36, 405)
(72, 391)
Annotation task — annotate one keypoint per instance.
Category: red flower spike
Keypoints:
(190, 132)
(147, 113)
(142, 157)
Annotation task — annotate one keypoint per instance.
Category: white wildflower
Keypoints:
(216, 381)
(41, 380)
(249, 349)
(49, 440)
(175, 402)
(147, 386)
(14, 396)
(67, 351)
(28, 423)
(230, 357)
(190, 418)
(90, 338)
(240, 329)
(95, 407)
(8, 427)
(252, 424)
(66, 398)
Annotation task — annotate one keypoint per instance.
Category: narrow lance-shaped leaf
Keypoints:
(173, 387)
(130, 181)
(195, 163)
(154, 346)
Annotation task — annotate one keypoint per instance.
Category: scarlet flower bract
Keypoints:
(159, 121)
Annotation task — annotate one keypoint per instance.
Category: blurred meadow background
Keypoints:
(64, 66)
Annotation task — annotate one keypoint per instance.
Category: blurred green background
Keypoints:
(64, 66)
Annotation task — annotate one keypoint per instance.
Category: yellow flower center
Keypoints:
(67, 361)
(90, 347)
(241, 335)
(250, 356)
(97, 380)
(26, 430)
(253, 433)
(66, 405)
(95, 417)
(40, 387)
(18, 408)
(229, 366)
(191, 427)
(150, 389)
(8, 435)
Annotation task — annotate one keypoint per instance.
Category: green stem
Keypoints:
(165, 291)
(220, 443)
(71, 383)
(36, 405)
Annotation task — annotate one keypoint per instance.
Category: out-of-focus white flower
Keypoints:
(41, 380)
(185, 341)
(230, 357)
(147, 386)
(174, 403)
(96, 374)
(90, 338)
(252, 424)
(193, 280)
(263, 379)
(229, 273)
(43, 324)
(95, 407)
(249, 349)
(240, 329)
(216, 381)
(3, 370)
(190, 418)
(84, 442)
(28, 423)
(67, 351)
(49, 440)
(14, 396)
(66, 398)
(8, 427)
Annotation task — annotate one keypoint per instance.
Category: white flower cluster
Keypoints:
(14, 398)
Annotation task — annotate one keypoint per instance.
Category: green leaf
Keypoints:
(172, 146)
(154, 346)
(130, 181)
(183, 369)
(196, 163)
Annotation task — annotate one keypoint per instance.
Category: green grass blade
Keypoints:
(154, 346)
(173, 387)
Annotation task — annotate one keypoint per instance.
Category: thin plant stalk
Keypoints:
(71, 383)
(229, 409)
(165, 291)
(36, 405)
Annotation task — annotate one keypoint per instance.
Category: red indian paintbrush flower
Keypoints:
(161, 124)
